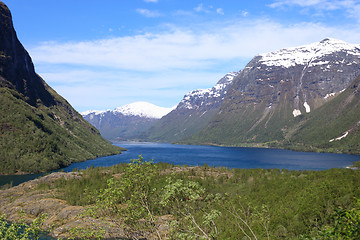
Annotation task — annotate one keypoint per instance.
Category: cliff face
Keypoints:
(17, 70)
(39, 130)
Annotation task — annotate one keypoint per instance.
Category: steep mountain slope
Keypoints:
(333, 126)
(192, 114)
(39, 130)
(126, 122)
(276, 90)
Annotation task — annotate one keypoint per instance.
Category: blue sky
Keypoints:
(104, 54)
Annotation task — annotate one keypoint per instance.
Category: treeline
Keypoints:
(218, 203)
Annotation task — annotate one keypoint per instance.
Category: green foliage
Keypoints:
(346, 224)
(86, 233)
(36, 139)
(128, 197)
(214, 203)
(20, 230)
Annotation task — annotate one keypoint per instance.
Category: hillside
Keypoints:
(334, 126)
(39, 130)
(277, 92)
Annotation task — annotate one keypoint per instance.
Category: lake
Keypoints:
(192, 155)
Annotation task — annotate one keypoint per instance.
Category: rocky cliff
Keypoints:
(39, 130)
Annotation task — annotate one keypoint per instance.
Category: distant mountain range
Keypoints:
(127, 122)
(301, 98)
(39, 130)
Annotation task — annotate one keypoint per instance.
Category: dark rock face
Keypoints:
(16, 67)
(192, 114)
(39, 130)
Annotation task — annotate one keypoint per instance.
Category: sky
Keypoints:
(104, 54)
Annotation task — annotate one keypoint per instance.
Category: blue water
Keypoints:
(231, 157)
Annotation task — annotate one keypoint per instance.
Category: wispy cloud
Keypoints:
(220, 11)
(151, 1)
(132, 68)
(321, 4)
(244, 13)
(200, 8)
(183, 48)
(351, 6)
(148, 13)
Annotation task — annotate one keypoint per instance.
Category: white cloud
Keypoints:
(148, 13)
(220, 11)
(151, 1)
(181, 48)
(351, 6)
(123, 69)
(244, 13)
(200, 8)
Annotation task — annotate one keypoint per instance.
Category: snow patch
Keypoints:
(94, 112)
(215, 92)
(329, 95)
(143, 109)
(339, 138)
(296, 112)
(307, 107)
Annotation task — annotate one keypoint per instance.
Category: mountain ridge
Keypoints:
(193, 112)
(267, 99)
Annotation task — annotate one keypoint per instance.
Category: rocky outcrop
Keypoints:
(27, 201)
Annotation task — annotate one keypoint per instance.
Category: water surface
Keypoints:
(193, 155)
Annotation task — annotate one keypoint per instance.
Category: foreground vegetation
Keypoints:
(215, 203)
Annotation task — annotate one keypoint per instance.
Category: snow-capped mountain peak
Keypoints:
(95, 112)
(143, 109)
(306, 54)
(200, 97)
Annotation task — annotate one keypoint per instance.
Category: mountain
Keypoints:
(333, 126)
(270, 99)
(39, 130)
(192, 114)
(126, 122)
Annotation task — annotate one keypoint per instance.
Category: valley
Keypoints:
(237, 160)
